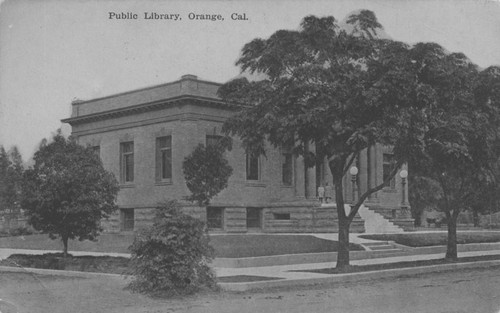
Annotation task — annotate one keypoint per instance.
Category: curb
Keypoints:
(305, 258)
(355, 277)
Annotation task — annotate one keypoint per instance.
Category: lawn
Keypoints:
(240, 246)
(226, 246)
(55, 261)
(436, 238)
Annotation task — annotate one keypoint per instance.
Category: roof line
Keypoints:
(146, 107)
(78, 102)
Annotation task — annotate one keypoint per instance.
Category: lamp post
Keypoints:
(403, 174)
(353, 171)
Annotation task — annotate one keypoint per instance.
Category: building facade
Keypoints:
(143, 136)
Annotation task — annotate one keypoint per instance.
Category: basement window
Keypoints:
(282, 216)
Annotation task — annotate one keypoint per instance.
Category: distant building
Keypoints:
(143, 136)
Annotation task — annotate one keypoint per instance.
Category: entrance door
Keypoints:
(254, 217)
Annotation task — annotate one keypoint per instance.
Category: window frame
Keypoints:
(219, 212)
(164, 153)
(387, 168)
(127, 224)
(284, 154)
(126, 176)
(248, 169)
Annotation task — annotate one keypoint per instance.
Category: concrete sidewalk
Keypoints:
(255, 277)
(291, 275)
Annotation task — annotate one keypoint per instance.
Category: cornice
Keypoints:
(151, 106)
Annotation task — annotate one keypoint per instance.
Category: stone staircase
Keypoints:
(383, 249)
(375, 223)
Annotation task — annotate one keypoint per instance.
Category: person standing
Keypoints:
(321, 193)
(328, 192)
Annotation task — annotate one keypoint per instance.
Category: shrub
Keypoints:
(172, 256)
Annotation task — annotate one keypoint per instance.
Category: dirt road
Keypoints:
(464, 291)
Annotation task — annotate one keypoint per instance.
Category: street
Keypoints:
(464, 291)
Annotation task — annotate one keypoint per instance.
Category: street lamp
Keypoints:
(353, 171)
(403, 174)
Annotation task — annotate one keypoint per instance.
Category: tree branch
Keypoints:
(355, 208)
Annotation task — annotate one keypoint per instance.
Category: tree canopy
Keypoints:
(67, 192)
(207, 171)
(330, 92)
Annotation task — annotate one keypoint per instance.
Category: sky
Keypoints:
(52, 52)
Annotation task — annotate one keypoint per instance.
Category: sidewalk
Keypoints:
(246, 278)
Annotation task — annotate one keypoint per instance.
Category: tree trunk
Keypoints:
(343, 248)
(344, 223)
(65, 246)
(475, 218)
(451, 249)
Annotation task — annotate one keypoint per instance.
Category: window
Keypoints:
(215, 217)
(164, 158)
(253, 170)
(127, 219)
(388, 166)
(96, 150)
(286, 168)
(282, 216)
(212, 139)
(127, 162)
(254, 217)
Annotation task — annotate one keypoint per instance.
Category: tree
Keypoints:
(4, 168)
(11, 171)
(207, 171)
(67, 192)
(423, 192)
(173, 255)
(330, 93)
(460, 146)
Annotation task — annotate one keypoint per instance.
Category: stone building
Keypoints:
(143, 136)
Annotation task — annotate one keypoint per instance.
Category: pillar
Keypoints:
(310, 176)
(299, 177)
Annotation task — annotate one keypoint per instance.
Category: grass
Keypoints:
(56, 261)
(436, 239)
(240, 246)
(406, 264)
(226, 246)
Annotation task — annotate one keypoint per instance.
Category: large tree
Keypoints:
(329, 92)
(460, 148)
(68, 192)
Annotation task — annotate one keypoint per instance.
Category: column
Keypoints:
(299, 177)
(363, 172)
(372, 170)
(310, 176)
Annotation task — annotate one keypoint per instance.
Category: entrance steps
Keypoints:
(382, 248)
(375, 223)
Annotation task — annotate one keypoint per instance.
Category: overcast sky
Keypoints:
(52, 52)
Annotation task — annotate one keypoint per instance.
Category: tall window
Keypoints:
(253, 170)
(286, 168)
(388, 167)
(164, 158)
(127, 161)
(212, 139)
